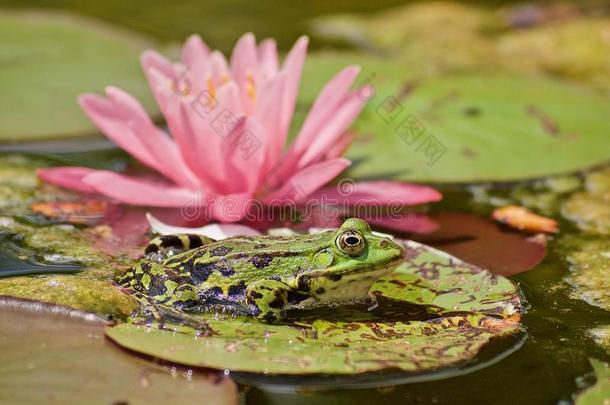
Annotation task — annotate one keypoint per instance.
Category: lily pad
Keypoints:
(411, 33)
(577, 49)
(55, 355)
(47, 60)
(600, 392)
(469, 127)
(463, 308)
(590, 209)
(589, 261)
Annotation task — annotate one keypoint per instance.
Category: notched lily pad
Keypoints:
(466, 307)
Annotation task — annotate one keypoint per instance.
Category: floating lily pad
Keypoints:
(600, 392)
(465, 307)
(411, 34)
(590, 209)
(475, 38)
(469, 127)
(589, 261)
(47, 60)
(55, 355)
(577, 49)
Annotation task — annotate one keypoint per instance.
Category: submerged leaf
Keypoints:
(55, 355)
(485, 244)
(460, 308)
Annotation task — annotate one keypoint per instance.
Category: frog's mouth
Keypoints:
(352, 285)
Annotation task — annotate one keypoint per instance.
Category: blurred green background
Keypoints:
(221, 22)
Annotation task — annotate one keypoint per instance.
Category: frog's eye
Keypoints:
(351, 242)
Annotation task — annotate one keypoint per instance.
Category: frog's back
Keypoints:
(247, 259)
(220, 272)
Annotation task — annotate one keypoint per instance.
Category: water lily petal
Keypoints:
(268, 59)
(266, 114)
(244, 155)
(293, 66)
(136, 191)
(308, 180)
(329, 99)
(197, 68)
(220, 69)
(380, 193)
(190, 120)
(195, 55)
(214, 231)
(211, 131)
(335, 127)
(175, 116)
(339, 148)
(67, 177)
(244, 58)
(232, 207)
(167, 157)
(153, 59)
(109, 119)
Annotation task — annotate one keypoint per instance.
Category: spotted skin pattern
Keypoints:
(263, 276)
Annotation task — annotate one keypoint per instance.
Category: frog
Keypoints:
(264, 276)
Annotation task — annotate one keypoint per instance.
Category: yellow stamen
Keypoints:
(211, 88)
(250, 86)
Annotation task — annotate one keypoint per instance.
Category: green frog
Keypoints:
(263, 276)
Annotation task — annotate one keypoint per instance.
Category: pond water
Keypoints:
(547, 363)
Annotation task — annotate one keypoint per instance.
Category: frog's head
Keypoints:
(352, 261)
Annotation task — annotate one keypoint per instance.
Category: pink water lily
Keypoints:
(227, 127)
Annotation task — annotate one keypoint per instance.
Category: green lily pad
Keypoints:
(476, 38)
(55, 355)
(589, 261)
(600, 392)
(47, 60)
(577, 49)
(468, 127)
(590, 209)
(465, 308)
(411, 33)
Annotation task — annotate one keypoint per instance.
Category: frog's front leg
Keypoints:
(164, 246)
(269, 297)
